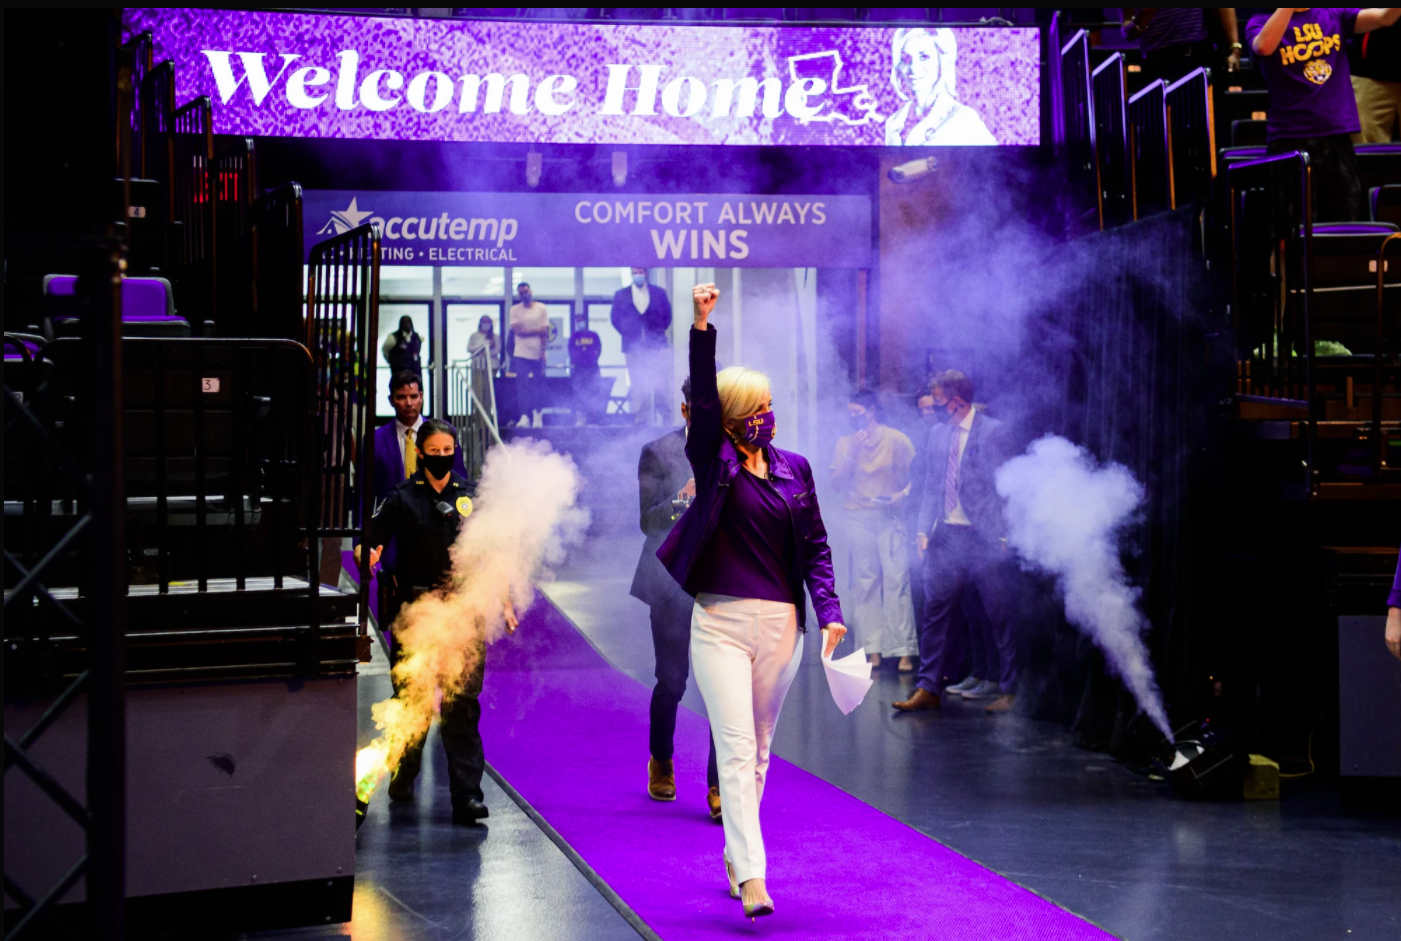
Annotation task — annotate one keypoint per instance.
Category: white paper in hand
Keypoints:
(848, 678)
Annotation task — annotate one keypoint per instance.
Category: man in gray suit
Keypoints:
(960, 539)
(665, 488)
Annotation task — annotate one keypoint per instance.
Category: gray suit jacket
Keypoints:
(987, 449)
(661, 471)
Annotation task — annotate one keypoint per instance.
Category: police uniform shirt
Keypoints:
(423, 522)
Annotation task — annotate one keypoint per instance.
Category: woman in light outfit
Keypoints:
(750, 540)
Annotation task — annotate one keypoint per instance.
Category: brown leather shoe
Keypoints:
(1003, 703)
(922, 700)
(661, 780)
(713, 800)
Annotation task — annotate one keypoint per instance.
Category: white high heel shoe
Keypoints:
(730, 874)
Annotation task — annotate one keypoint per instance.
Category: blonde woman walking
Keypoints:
(744, 549)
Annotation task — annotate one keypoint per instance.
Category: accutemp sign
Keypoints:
(600, 229)
(398, 78)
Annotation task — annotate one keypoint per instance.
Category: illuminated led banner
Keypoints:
(600, 229)
(318, 75)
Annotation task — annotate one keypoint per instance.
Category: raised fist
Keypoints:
(703, 300)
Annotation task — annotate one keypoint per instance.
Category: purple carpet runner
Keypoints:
(569, 733)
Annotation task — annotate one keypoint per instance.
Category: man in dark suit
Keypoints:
(960, 538)
(641, 314)
(665, 487)
(395, 462)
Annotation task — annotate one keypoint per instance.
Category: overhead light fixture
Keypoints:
(620, 168)
(534, 166)
(913, 170)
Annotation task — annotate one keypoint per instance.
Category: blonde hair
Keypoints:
(743, 391)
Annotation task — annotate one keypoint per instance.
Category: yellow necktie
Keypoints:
(410, 455)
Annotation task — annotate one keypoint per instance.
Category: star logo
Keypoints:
(346, 219)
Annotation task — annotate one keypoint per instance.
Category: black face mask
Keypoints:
(439, 465)
(858, 422)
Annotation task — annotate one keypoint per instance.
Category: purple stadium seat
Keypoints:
(30, 344)
(148, 307)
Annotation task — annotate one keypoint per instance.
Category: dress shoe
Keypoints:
(906, 665)
(964, 685)
(1003, 703)
(712, 799)
(987, 689)
(661, 780)
(469, 812)
(922, 700)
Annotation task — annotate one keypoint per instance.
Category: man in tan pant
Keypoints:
(1375, 60)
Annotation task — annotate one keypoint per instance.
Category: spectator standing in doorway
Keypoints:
(585, 348)
(871, 469)
(1375, 61)
(1300, 52)
(530, 322)
(641, 314)
(402, 349)
(486, 341)
(1176, 40)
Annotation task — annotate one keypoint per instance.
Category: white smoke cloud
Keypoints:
(1065, 512)
(525, 516)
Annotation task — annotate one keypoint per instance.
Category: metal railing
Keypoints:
(1151, 145)
(235, 183)
(277, 264)
(1271, 236)
(1192, 135)
(1113, 158)
(342, 326)
(1379, 444)
(1077, 99)
(194, 210)
(136, 60)
(472, 409)
(157, 109)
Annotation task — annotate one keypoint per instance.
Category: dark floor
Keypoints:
(1009, 792)
(419, 878)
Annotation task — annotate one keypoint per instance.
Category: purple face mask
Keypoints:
(759, 429)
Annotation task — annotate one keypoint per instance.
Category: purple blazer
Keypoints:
(715, 461)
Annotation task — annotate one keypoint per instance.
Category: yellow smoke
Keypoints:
(524, 516)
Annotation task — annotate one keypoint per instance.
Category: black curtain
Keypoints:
(1127, 344)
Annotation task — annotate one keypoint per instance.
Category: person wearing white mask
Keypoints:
(641, 314)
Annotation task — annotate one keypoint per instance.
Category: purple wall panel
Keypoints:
(314, 75)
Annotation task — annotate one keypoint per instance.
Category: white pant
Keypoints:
(880, 580)
(744, 654)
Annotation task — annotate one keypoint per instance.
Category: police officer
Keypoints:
(422, 515)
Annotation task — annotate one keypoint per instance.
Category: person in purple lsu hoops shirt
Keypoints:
(744, 549)
(1302, 53)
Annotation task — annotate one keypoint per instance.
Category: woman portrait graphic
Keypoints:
(922, 75)
(744, 549)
